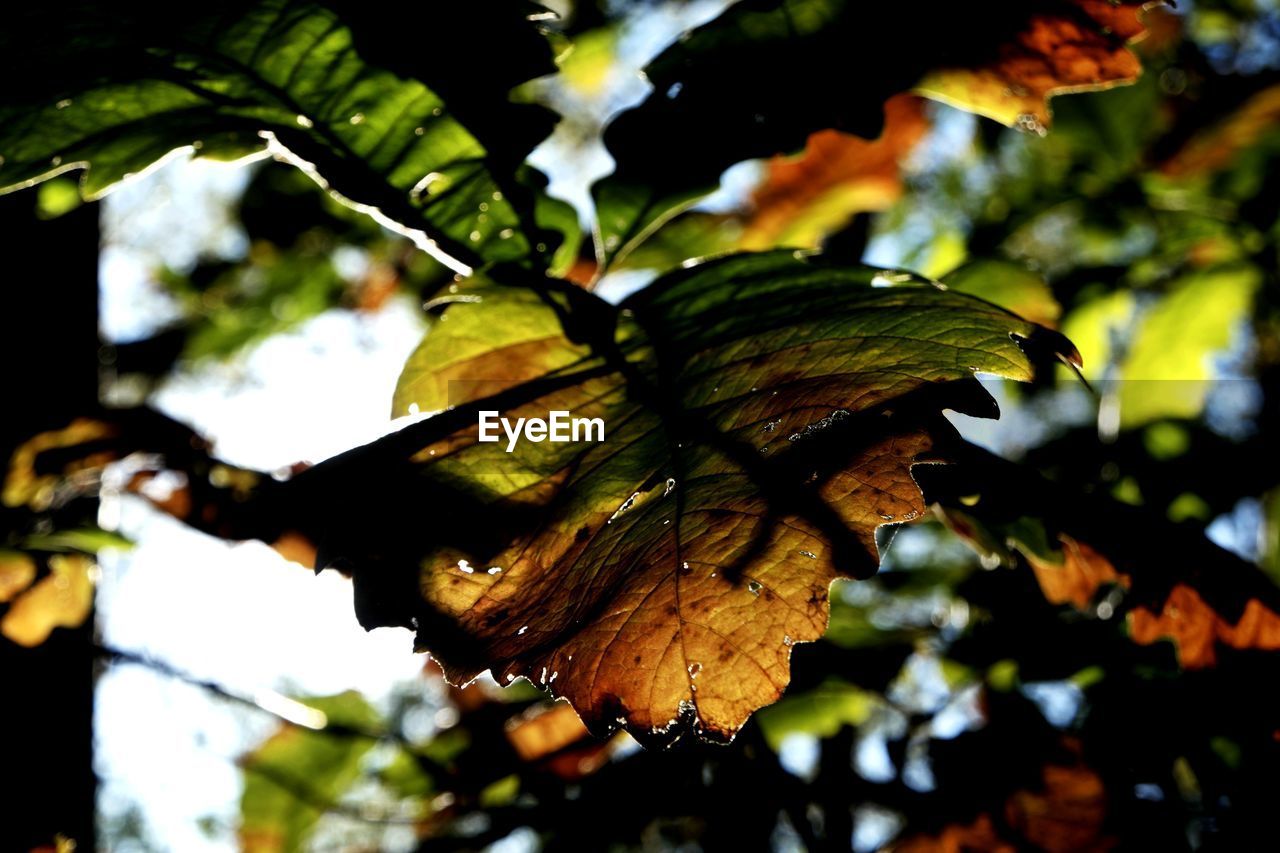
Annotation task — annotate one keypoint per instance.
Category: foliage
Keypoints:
(720, 566)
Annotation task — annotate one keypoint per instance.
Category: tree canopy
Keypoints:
(835, 244)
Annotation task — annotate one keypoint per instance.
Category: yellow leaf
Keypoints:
(63, 599)
(17, 571)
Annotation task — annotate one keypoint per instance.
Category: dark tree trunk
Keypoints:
(48, 302)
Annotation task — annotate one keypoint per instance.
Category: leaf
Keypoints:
(87, 540)
(763, 76)
(695, 234)
(1010, 286)
(1095, 325)
(1197, 629)
(1073, 46)
(716, 103)
(805, 198)
(27, 485)
(62, 599)
(979, 834)
(277, 292)
(820, 712)
(1167, 370)
(543, 731)
(1077, 579)
(1180, 613)
(1066, 812)
(296, 773)
(113, 91)
(763, 414)
(1220, 147)
(17, 571)
(554, 739)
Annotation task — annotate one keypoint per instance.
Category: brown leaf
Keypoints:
(660, 579)
(1196, 628)
(806, 197)
(555, 737)
(296, 548)
(957, 838)
(543, 730)
(1077, 579)
(1219, 146)
(1064, 814)
(1184, 617)
(1080, 49)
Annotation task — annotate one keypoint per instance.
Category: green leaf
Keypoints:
(762, 415)
(88, 540)
(114, 90)
(1008, 285)
(820, 712)
(1168, 367)
(296, 774)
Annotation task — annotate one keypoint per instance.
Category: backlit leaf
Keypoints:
(25, 485)
(1075, 46)
(17, 571)
(1219, 147)
(62, 599)
(1197, 629)
(762, 415)
(820, 712)
(1010, 286)
(113, 90)
(1168, 367)
(1065, 812)
(758, 80)
(1077, 579)
(1181, 615)
(296, 775)
(805, 198)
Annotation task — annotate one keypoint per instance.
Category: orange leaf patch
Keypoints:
(1080, 50)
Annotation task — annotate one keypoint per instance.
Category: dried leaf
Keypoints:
(62, 599)
(1197, 629)
(1080, 48)
(758, 81)
(978, 835)
(806, 197)
(1078, 578)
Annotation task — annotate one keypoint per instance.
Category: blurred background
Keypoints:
(971, 696)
